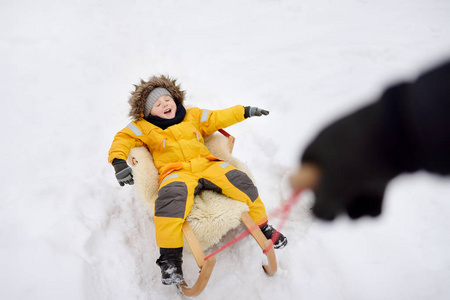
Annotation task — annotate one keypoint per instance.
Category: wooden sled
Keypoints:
(207, 266)
(145, 175)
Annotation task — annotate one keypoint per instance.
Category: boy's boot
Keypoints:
(170, 263)
(278, 239)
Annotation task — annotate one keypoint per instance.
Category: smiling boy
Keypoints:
(164, 107)
(174, 137)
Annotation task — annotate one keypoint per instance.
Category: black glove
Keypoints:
(123, 172)
(357, 156)
(251, 111)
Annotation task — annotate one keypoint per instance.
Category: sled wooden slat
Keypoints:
(193, 244)
(271, 267)
(206, 266)
(265, 244)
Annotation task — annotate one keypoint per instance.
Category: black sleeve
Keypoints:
(417, 116)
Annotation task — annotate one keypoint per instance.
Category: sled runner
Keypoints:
(212, 215)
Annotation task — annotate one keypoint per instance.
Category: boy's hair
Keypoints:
(140, 94)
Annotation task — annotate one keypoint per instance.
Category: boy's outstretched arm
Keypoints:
(213, 120)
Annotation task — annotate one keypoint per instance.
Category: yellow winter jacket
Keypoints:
(178, 143)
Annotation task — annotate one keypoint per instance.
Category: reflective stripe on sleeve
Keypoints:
(135, 130)
(204, 115)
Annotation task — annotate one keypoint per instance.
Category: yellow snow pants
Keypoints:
(177, 190)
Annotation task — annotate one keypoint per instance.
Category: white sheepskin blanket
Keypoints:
(213, 214)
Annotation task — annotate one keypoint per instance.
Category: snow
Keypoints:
(69, 231)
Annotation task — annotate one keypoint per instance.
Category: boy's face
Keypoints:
(165, 107)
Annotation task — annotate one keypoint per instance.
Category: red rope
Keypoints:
(283, 210)
(235, 240)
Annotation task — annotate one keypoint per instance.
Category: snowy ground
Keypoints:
(66, 70)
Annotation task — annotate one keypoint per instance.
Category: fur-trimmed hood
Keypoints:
(139, 96)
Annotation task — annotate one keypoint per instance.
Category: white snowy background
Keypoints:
(69, 231)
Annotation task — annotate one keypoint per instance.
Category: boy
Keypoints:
(174, 137)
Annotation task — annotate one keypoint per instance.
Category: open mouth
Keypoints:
(168, 111)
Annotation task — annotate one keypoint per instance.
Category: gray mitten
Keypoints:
(123, 172)
(252, 111)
